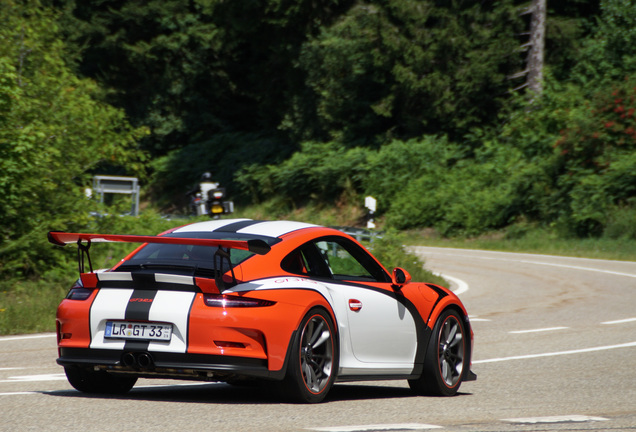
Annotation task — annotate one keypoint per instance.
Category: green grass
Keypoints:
(536, 241)
(29, 306)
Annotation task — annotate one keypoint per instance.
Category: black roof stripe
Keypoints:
(236, 226)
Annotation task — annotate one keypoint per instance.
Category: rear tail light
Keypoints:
(216, 300)
(78, 292)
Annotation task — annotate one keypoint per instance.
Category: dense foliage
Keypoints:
(53, 130)
(317, 101)
(312, 104)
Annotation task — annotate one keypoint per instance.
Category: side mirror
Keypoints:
(400, 276)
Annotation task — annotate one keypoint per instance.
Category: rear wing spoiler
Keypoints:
(256, 246)
(63, 238)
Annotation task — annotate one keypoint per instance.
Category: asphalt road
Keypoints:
(555, 349)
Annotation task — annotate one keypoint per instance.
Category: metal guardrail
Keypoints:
(360, 234)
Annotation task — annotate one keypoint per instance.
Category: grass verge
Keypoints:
(538, 241)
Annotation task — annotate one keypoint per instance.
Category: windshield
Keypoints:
(190, 259)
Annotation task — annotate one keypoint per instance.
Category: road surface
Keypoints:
(555, 349)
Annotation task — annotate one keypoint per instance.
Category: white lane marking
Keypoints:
(556, 419)
(31, 378)
(462, 286)
(475, 318)
(579, 351)
(13, 338)
(11, 368)
(620, 321)
(18, 393)
(377, 427)
(537, 330)
(579, 268)
(525, 261)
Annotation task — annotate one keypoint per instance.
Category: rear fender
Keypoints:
(294, 297)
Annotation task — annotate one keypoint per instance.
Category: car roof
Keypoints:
(245, 226)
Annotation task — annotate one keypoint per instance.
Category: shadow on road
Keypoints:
(222, 393)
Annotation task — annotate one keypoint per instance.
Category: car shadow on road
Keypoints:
(222, 393)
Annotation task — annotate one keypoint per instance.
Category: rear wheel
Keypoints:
(313, 363)
(89, 381)
(444, 365)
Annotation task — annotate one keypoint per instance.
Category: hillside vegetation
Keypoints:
(302, 108)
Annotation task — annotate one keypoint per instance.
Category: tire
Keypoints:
(445, 363)
(88, 381)
(313, 362)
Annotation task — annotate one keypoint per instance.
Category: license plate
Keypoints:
(217, 209)
(136, 330)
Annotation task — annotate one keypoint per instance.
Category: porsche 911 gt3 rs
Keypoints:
(299, 305)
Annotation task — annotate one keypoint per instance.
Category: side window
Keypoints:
(306, 261)
(342, 264)
(334, 258)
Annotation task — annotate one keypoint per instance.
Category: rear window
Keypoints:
(189, 259)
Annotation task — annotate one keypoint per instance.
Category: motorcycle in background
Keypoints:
(208, 198)
(216, 204)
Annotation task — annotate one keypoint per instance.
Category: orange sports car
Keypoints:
(299, 305)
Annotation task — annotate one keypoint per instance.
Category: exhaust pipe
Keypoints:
(129, 360)
(144, 361)
(137, 360)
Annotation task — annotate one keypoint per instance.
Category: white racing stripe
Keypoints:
(168, 306)
(172, 307)
(109, 304)
(274, 228)
(114, 276)
(175, 279)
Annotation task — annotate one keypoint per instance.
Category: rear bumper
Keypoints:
(171, 365)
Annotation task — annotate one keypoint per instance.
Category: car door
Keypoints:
(380, 326)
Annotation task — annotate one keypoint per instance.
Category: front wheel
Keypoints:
(89, 381)
(446, 357)
(313, 362)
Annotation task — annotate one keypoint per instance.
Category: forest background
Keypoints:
(316, 104)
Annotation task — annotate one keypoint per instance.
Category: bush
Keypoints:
(621, 222)
(224, 155)
(320, 172)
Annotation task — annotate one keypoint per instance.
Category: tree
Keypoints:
(53, 132)
(537, 41)
(608, 56)
(398, 68)
(193, 69)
